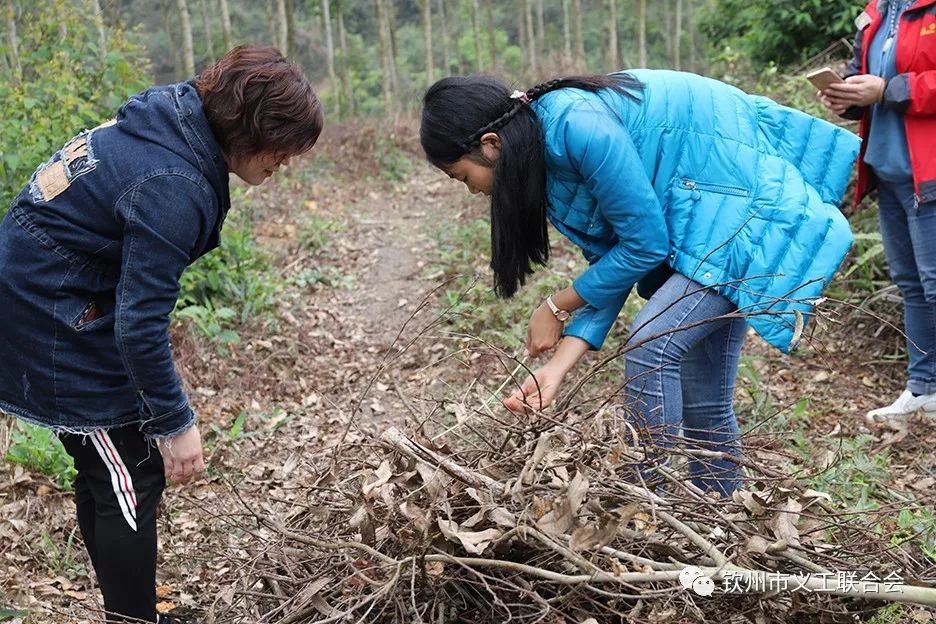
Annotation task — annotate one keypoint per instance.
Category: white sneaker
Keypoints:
(905, 406)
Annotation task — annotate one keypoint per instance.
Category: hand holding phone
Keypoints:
(822, 78)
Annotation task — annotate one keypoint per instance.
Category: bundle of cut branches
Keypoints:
(533, 520)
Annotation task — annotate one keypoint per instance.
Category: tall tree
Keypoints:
(580, 62)
(426, 14)
(613, 55)
(384, 55)
(209, 44)
(282, 27)
(330, 54)
(226, 25)
(476, 32)
(13, 42)
(566, 37)
(492, 33)
(531, 38)
(677, 36)
(99, 25)
(169, 10)
(291, 49)
(188, 51)
(642, 32)
(690, 22)
(540, 28)
(345, 61)
(390, 17)
(446, 61)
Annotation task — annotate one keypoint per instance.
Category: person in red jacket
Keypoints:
(890, 86)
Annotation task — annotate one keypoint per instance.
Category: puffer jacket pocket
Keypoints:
(702, 212)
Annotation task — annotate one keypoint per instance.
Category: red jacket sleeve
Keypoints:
(912, 93)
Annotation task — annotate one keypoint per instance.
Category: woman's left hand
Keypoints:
(860, 90)
(544, 331)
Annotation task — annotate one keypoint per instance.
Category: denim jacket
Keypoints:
(91, 253)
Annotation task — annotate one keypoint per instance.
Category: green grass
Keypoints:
(316, 233)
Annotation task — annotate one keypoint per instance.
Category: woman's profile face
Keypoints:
(256, 168)
(478, 176)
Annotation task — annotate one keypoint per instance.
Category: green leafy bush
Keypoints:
(39, 449)
(64, 84)
(228, 286)
(787, 32)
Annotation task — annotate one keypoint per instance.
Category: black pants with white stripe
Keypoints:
(120, 480)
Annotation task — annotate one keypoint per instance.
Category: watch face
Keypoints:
(563, 315)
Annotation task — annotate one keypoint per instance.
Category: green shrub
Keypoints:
(770, 31)
(39, 449)
(64, 86)
(228, 286)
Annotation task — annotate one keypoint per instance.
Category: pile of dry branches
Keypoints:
(501, 519)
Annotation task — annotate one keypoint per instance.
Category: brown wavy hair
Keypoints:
(258, 101)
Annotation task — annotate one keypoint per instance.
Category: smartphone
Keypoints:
(822, 78)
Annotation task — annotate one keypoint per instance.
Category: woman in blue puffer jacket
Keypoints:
(721, 207)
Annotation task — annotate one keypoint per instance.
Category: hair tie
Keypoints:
(520, 95)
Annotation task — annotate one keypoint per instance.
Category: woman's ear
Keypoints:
(490, 146)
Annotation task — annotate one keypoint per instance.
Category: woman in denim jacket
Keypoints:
(91, 253)
(721, 207)
(890, 85)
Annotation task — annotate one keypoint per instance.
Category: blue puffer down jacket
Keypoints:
(731, 190)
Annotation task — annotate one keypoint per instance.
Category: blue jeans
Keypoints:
(686, 378)
(909, 236)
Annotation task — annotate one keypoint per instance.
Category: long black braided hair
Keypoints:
(458, 111)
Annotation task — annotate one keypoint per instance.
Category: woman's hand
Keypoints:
(182, 456)
(537, 391)
(860, 90)
(835, 108)
(544, 331)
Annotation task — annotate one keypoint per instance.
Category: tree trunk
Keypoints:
(642, 32)
(384, 57)
(492, 38)
(345, 63)
(290, 30)
(209, 45)
(566, 37)
(188, 52)
(476, 31)
(226, 26)
(524, 38)
(690, 22)
(446, 61)
(330, 55)
(99, 25)
(613, 55)
(426, 13)
(580, 61)
(531, 39)
(13, 42)
(282, 28)
(540, 28)
(677, 36)
(390, 17)
(456, 40)
(175, 49)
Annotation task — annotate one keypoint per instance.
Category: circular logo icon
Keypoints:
(688, 576)
(704, 586)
